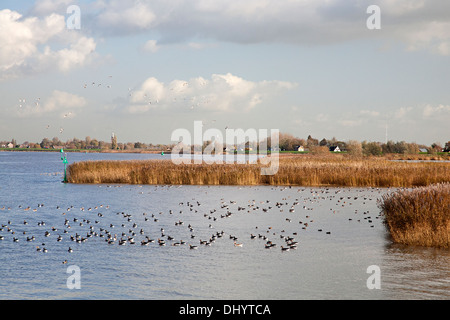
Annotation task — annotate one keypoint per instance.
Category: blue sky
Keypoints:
(142, 69)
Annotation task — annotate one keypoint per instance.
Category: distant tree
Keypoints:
(128, 146)
(342, 145)
(371, 148)
(354, 148)
(288, 142)
(56, 142)
(104, 145)
(139, 145)
(33, 145)
(93, 143)
(436, 147)
(412, 148)
(311, 142)
(447, 147)
(45, 143)
(388, 147)
(323, 142)
(332, 142)
(113, 141)
(401, 147)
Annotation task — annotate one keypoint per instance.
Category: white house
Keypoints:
(301, 149)
(335, 149)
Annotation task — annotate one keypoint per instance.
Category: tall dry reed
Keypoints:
(293, 170)
(420, 216)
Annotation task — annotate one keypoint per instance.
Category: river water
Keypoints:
(343, 250)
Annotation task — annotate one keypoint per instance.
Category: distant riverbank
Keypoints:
(391, 156)
(80, 150)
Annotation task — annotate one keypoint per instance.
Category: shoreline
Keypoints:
(82, 150)
(390, 156)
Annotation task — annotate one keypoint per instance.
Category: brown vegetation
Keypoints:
(301, 170)
(420, 216)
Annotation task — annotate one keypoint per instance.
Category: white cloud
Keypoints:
(151, 46)
(401, 7)
(46, 7)
(402, 112)
(322, 117)
(222, 92)
(78, 54)
(440, 110)
(26, 45)
(434, 36)
(124, 16)
(419, 24)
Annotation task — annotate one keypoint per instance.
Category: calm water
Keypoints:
(338, 230)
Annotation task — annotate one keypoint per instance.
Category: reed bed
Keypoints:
(293, 170)
(419, 216)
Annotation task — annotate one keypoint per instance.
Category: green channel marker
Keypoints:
(64, 159)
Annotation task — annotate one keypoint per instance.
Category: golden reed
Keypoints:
(295, 170)
(419, 216)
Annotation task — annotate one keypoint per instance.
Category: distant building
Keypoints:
(301, 148)
(335, 149)
(423, 150)
(10, 145)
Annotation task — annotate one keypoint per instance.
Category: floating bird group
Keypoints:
(192, 225)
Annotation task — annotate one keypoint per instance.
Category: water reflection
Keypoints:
(413, 272)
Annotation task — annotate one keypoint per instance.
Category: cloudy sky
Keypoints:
(142, 69)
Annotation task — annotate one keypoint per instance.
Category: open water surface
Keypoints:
(339, 235)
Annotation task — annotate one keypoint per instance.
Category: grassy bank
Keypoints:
(300, 170)
(420, 216)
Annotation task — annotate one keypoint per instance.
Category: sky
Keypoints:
(142, 69)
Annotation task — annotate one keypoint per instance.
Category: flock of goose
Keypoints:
(190, 225)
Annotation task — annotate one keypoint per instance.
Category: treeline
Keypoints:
(86, 144)
(286, 142)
